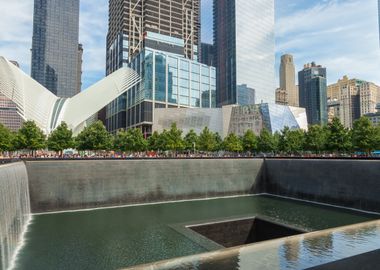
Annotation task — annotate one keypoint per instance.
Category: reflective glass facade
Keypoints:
(55, 52)
(168, 81)
(313, 93)
(245, 52)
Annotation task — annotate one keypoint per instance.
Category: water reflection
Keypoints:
(297, 252)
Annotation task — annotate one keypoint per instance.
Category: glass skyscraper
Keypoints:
(313, 93)
(159, 39)
(245, 53)
(55, 51)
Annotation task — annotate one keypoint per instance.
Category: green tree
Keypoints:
(365, 136)
(267, 142)
(136, 141)
(154, 142)
(191, 140)
(174, 139)
(339, 139)
(316, 138)
(218, 142)
(250, 141)
(30, 137)
(6, 139)
(291, 141)
(61, 138)
(94, 137)
(232, 143)
(120, 141)
(207, 141)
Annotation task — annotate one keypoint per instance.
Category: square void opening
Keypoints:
(244, 231)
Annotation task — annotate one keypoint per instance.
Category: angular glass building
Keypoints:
(55, 51)
(245, 53)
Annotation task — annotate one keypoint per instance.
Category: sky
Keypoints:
(341, 35)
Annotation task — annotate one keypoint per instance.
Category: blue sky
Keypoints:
(339, 34)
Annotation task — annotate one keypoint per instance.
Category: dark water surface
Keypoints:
(121, 237)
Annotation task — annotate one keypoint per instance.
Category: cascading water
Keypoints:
(14, 210)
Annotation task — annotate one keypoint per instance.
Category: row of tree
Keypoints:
(334, 137)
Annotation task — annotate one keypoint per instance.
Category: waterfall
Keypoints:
(14, 211)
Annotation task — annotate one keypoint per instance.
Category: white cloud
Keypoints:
(341, 35)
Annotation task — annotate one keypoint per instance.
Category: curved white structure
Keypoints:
(35, 102)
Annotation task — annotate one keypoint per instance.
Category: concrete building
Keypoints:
(55, 46)
(333, 109)
(369, 98)
(313, 93)
(207, 54)
(233, 119)
(287, 79)
(355, 97)
(37, 103)
(281, 96)
(244, 46)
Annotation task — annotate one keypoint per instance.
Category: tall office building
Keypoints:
(344, 97)
(288, 79)
(244, 45)
(369, 97)
(160, 40)
(134, 24)
(207, 55)
(281, 96)
(55, 46)
(313, 93)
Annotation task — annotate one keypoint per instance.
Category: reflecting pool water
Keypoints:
(121, 237)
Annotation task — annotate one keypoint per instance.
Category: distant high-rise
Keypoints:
(344, 97)
(313, 93)
(281, 96)
(207, 56)
(244, 46)
(287, 80)
(55, 46)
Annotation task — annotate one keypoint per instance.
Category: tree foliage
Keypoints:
(267, 142)
(232, 143)
(365, 137)
(291, 141)
(250, 141)
(316, 139)
(61, 138)
(174, 140)
(94, 137)
(6, 139)
(207, 141)
(339, 138)
(30, 137)
(131, 140)
(191, 140)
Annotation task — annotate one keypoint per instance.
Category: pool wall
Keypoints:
(70, 185)
(348, 183)
(78, 184)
